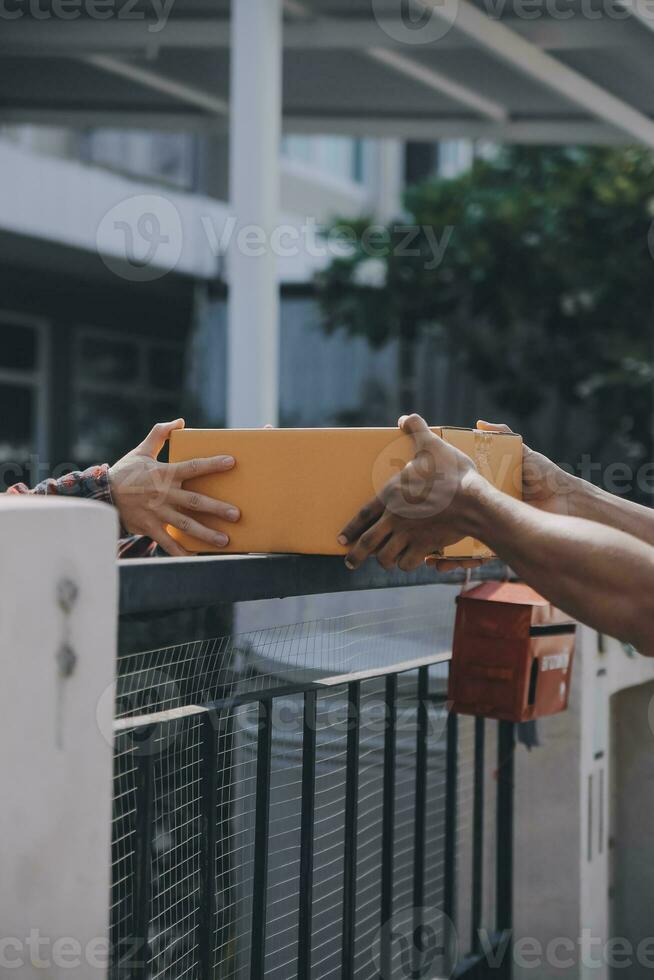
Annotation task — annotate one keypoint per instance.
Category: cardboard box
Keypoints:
(297, 488)
(512, 654)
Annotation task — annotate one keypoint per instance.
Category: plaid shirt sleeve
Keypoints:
(93, 484)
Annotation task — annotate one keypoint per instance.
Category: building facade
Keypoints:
(94, 351)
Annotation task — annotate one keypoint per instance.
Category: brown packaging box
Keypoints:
(297, 488)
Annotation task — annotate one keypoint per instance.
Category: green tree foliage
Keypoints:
(545, 288)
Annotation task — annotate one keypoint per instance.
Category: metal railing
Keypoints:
(278, 816)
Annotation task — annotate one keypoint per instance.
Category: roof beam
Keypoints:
(356, 33)
(27, 38)
(544, 132)
(157, 82)
(78, 116)
(438, 82)
(639, 12)
(56, 37)
(553, 74)
(409, 68)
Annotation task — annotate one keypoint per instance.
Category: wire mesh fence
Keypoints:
(287, 803)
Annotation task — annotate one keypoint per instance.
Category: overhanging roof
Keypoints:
(521, 70)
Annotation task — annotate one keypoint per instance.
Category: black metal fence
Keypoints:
(276, 815)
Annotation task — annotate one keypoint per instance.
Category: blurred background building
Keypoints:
(90, 359)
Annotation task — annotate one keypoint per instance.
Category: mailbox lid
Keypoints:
(495, 617)
(518, 594)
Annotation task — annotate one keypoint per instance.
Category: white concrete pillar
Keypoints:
(391, 180)
(58, 616)
(256, 114)
(570, 800)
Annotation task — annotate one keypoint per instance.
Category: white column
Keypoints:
(256, 112)
(572, 795)
(58, 615)
(391, 179)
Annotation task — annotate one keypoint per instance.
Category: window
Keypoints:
(169, 158)
(455, 157)
(23, 398)
(18, 347)
(334, 156)
(17, 411)
(122, 386)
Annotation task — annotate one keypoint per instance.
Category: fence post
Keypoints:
(504, 830)
(58, 616)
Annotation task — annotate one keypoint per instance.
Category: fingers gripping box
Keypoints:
(296, 488)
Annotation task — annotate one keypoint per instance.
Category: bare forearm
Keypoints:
(593, 504)
(599, 575)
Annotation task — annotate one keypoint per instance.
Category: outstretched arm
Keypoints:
(149, 495)
(600, 575)
(548, 487)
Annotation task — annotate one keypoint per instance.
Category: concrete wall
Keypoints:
(568, 823)
(632, 830)
(56, 748)
(547, 836)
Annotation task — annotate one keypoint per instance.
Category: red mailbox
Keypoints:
(512, 654)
